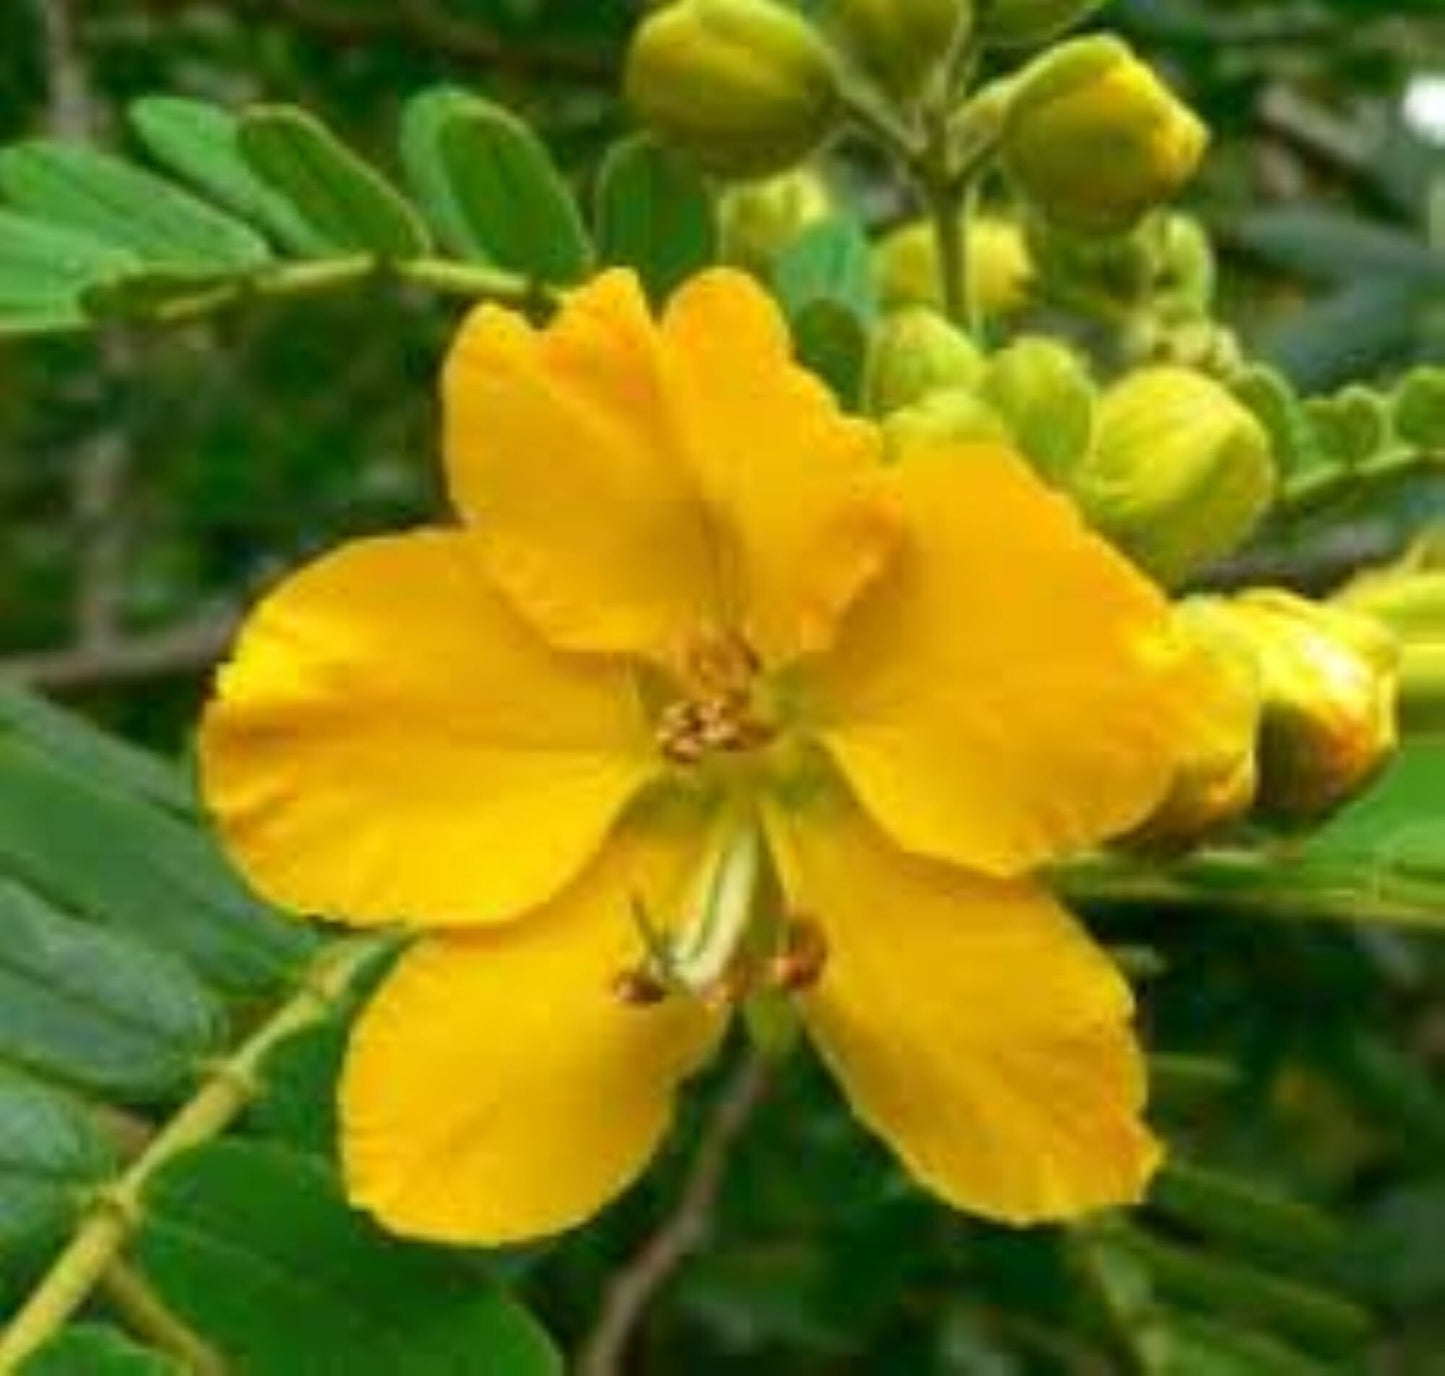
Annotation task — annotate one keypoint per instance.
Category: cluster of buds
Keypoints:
(749, 88)
(1166, 462)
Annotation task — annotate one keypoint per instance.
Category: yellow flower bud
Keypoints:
(1328, 680)
(904, 45)
(758, 220)
(1028, 23)
(1180, 471)
(1216, 777)
(913, 353)
(1095, 140)
(745, 87)
(953, 416)
(1045, 394)
(999, 272)
(1409, 599)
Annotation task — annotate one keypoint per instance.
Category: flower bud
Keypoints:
(1045, 395)
(1409, 599)
(913, 353)
(745, 87)
(1328, 684)
(1095, 140)
(758, 220)
(1180, 471)
(904, 45)
(953, 416)
(1215, 778)
(1029, 23)
(905, 266)
(1186, 271)
(1106, 276)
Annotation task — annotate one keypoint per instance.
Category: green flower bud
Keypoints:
(1328, 679)
(953, 416)
(745, 87)
(1107, 276)
(904, 45)
(915, 352)
(758, 220)
(1186, 273)
(1044, 393)
(905, 266)
(1095, 140)
(1180, 472)
(1216, 777)
(1029, 23)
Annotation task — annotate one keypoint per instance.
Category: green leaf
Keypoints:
(654, 214)
(200, 143)
(1334, 247)
(94, 1008)
(831, 261)
(92, 1349)
(83, 189)
(44, 267)
(490, 188)
(119, 862)
(297, 1103)
(254, 1248)
(1273, 402)
(825, 282)
(831, 342)
(1351, 427)
(1286, 1307)
(1419, 409)
(351, 207)
(1233, 1210)
(1348, 334)
(1393, 839)
(106, 759)
(51, 1157)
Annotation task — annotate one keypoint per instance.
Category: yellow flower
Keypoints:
(700, 700)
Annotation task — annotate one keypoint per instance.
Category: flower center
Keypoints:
(718, 710)
(728, 942)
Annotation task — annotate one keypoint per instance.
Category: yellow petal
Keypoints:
(639, 484)
(497, 1088)
(392, 742)
(798, 485)
(1007, 691)
(971, 1023)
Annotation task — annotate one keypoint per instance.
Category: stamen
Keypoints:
(702, 954)
(718, 713)
(799, 964)
(638, 988)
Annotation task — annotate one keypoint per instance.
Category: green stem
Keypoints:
(149, 1318)
(1318, 489)
(946, 206)
(475, 281)
(1246, 882)
(224, 1093)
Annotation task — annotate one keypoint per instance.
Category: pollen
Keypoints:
(717, 711)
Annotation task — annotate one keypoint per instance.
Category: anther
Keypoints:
(638, 988)
(799, 964)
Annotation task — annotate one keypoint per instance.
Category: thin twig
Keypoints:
(103, 465)
(195, 645)
(423, 25)
(633, 1289)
